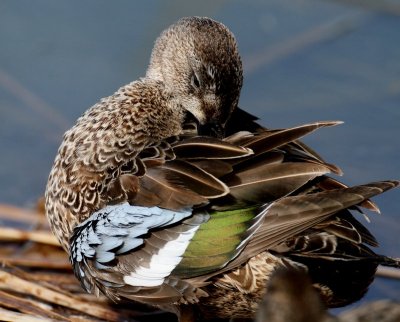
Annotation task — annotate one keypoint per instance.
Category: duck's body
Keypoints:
(152, 211)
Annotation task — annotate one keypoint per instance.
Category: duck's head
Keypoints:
(198, 61)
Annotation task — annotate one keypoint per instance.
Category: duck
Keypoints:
(169, 194)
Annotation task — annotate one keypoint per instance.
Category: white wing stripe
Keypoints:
(162, 264)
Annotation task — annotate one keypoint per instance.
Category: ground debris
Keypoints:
(37, 283)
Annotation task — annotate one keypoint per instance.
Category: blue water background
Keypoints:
(304, 61)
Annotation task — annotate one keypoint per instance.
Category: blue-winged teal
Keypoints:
(167, 193)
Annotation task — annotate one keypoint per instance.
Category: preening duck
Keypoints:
(168, 193)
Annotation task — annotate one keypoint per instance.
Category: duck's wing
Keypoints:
(192, 174)
(130, 251)
(288, 223)
(247, 168)
(293, 215)
(171, 181)
(228, 201)
(243, 121)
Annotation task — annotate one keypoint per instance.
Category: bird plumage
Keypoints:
(167, 193)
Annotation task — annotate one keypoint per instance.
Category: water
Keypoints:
(304, 61)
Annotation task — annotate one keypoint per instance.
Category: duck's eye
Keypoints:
(195, 81)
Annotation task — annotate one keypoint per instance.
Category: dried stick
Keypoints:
(20, 214)
(37, 262)
(388, 272)
(11, 316)
(34, 308)
(11, 282)
(43, 237)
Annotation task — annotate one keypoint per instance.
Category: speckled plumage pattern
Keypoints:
(246, 294)
(237, 201)
(104, 139)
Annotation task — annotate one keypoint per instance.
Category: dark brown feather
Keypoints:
(156, 189)
(217, 168)
(328, 183)
(195, 179)
(206, 147)
(268, 182)
(273, 139)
